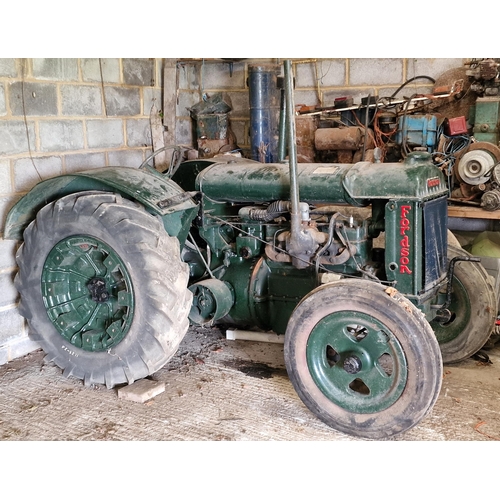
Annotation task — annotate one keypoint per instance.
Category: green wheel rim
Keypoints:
(461, 315)
(87, 292)
(356, 362)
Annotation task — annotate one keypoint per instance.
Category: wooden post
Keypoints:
(170, 100)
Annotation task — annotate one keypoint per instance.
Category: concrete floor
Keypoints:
(218, 389)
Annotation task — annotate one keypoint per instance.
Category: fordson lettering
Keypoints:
(404, 255)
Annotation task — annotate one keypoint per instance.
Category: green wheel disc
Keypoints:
(87, 293)
(356, 362)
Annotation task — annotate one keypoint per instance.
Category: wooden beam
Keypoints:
(170, 100)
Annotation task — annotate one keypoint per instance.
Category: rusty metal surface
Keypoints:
(305, 129)
(476, 146)
(453, 107)
(348, 138)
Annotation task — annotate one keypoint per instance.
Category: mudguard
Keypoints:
(157, 193)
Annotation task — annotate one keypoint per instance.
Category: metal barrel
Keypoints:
(265, 97)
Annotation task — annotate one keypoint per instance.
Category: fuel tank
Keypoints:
(247, 181)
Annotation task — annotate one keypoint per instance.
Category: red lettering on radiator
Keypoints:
(404, 254)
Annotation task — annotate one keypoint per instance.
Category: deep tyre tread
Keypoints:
(405, 322)
(159, 278)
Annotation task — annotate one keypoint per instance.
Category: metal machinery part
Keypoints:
(475, 167)
(348, 138)
(348, 142)
(486, 119)
(491, 200)
(212, 300)
(495, 174)
(213, 129)
(484, 76)
(264, 97)
(477, 170)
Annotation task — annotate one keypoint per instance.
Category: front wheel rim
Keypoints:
(356, 362)
(87, 293)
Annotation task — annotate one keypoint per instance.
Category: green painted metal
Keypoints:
(186, 174)
(248, 279)
(245, 181)
(286, 287)
(212, 126)
(408, 180)
(403, 247)
(265, 292)
(487, 119)
(145, 186)
(79, 318)
(212, 300)
(460, 303)
(356, 362)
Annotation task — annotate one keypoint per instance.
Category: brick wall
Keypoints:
(63, 115)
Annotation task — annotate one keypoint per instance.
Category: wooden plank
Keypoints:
(472, 213)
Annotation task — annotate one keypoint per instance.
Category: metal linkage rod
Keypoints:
(292, 150)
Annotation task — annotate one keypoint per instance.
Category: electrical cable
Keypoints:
(411, 80)
(201, 255)
(102, 88)
(26, 120)
(405, 150)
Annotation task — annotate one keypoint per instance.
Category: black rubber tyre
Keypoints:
(414, 383)
(153, 320)
(474, 308)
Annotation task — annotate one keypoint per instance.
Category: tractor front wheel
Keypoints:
(103, 288)
(363, 358)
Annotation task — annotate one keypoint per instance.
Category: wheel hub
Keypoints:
(352, 365)
(98, 290)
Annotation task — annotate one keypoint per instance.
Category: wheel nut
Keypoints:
(352, 365)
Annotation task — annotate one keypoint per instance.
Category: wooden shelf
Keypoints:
(472, 213)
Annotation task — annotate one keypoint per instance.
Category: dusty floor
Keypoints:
(218, 389)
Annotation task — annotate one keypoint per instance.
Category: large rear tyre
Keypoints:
(103, 288)
(363, 359)
(473, 307)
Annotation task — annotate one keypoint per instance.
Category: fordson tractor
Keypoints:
(116, 263)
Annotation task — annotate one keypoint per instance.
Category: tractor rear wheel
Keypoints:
(103, 288)
(473, 307)
(363, 358)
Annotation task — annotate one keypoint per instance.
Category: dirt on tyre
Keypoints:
(103, 288)
(473, 307)
(363, 359)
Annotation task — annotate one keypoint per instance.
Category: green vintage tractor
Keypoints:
(116, 262)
